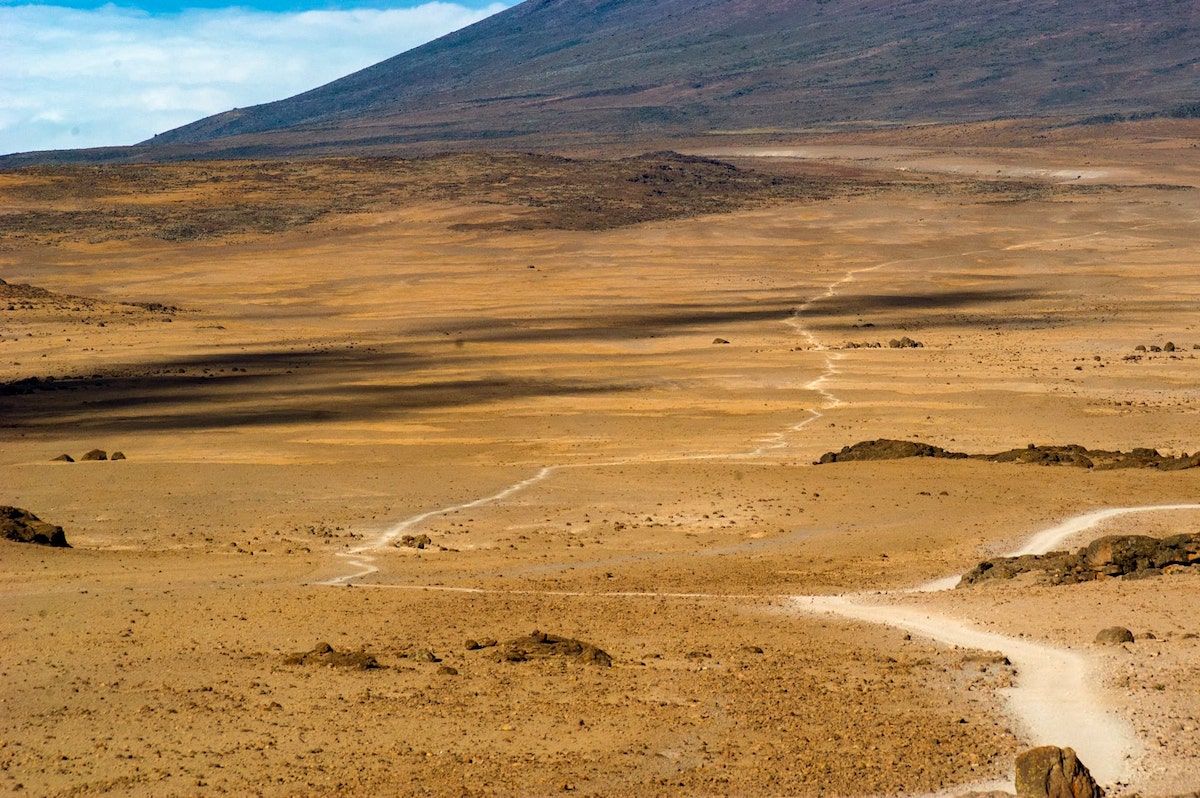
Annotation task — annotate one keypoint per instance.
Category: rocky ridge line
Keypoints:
(1071, 455)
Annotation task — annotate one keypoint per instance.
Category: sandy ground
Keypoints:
(550, 408)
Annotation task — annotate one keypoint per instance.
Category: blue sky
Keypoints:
(86, 74)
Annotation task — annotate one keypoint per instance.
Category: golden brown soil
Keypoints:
(338, 347)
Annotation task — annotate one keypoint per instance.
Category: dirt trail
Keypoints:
(1056, 697)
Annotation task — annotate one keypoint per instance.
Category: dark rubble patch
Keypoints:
(326, 655)
(22, 526)
(539, 645)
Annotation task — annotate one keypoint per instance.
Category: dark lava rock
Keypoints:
(1045, 455)
(63, 458)
(885, 449)
(94, 454)
(23, 526)
(1114, 635)
(1069, 455)
(325, 654)
(720, 341)
(540, 645)
(1128, 556)
(117, 456)
(1052, 772)
(1100, 459)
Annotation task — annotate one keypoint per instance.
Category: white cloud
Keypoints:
(89, 78)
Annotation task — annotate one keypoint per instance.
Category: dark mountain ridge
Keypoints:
(552, 74)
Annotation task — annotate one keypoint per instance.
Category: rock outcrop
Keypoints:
(1129, 556)
(885, 449)
(1069, 455)
(539, 645)
(23, 526)
(1052, 772)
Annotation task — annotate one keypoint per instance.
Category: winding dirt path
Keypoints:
(1056, 698)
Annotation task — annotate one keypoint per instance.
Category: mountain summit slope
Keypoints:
(549, 73)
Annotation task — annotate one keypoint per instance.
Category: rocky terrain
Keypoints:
(410, 428)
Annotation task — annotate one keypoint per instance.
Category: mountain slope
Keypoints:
(549, 73)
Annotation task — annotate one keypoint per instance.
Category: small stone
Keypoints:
(1114, 635)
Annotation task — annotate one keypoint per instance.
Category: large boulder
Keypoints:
(23, 526)
(1052, 772)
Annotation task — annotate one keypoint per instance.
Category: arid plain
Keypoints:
(598, 389)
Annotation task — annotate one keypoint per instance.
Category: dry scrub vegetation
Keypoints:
(53, 205)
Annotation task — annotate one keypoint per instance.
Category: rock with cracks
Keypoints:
(1052, 772)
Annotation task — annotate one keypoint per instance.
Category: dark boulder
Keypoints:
(1114, 635)
(23, 526)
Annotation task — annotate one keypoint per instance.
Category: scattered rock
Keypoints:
(720, 341)
(117, 456)
(539, 645)
(93, 455)
(447, 670)
(424, 655)
(23, 526)
(1114, 635)
(415, 542)
(905, 343)
(1052, 772)
(325, 654)
(63, 458)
